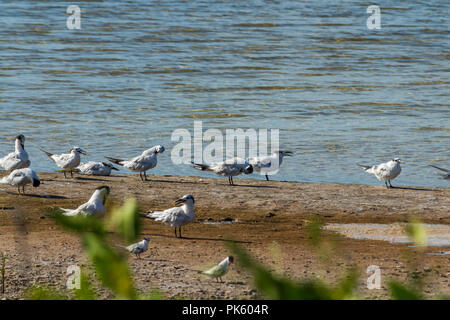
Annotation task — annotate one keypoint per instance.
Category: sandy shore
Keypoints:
(267, 217)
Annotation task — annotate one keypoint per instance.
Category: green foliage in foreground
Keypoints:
(276, 287)
(113, 272)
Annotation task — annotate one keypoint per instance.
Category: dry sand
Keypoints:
(269, 219)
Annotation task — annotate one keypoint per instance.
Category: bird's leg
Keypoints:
(267, 177)
(65, 174)
(23, 189)
(390, 184)
(140, 176)
(18, 189)
(180, 232)
(71, 173)
(145, 175)
(176, 232)
(385, 182)
(231, 179)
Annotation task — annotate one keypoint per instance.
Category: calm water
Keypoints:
(137, 70)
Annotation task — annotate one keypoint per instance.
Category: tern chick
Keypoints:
(220, 270)
(137, 248)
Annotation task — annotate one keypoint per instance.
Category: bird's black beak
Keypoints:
(83, 152)
(288, 153)
(36, 183)
(180, 201)
(114, 168)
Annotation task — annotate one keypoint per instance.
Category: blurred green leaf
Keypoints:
(401, 292)
(126, 221)
(86, 292)
(277, 287)
(80, 224)
(417, 233)
(43, 293)
(111, 267)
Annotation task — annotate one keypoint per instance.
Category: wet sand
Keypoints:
(268, 218)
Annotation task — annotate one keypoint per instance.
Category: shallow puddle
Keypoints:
(438, 235)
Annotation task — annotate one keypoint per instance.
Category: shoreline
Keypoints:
(269, 218)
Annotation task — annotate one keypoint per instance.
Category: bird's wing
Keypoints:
(172, 216)
(10, 161)
(85, 208)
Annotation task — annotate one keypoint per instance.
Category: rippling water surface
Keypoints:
(137, 70)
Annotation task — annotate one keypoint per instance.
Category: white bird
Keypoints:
(229, 168)
(17, 159)
(386, 171)
(446, 176)
(96, 168)
(269, 164)
(176, 216)
(67, 161)
(94, 207)
(146, 161)
(220, 270)
(137, 248)
(20, 178)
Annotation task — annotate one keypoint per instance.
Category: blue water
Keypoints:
(138, 70)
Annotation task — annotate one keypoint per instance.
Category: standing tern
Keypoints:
(94, 207)
(269, 164)
(96, 168)
(20, 178)
(17, 159)
(137, 248)
(446, 176)
(229, 168)
(386, 171)
(146, 161)
(221, 269)
(176, 216)
(67, 161)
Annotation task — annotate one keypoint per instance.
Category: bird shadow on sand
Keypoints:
(199, 239)
(172, 181)
(90, 179)
(415, 189)
(254, 186)
(46, 196)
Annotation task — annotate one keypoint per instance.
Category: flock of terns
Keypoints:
(18, 163)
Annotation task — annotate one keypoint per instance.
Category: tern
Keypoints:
(20, 178)
(137, 248)
(220, 270)
(269, 164)
(96, 168)
(67, 161)
(386, 171)
(446, 176)
(176, 216)
(94, 207)
(146, 161)
(17, 159)
(229, 168)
